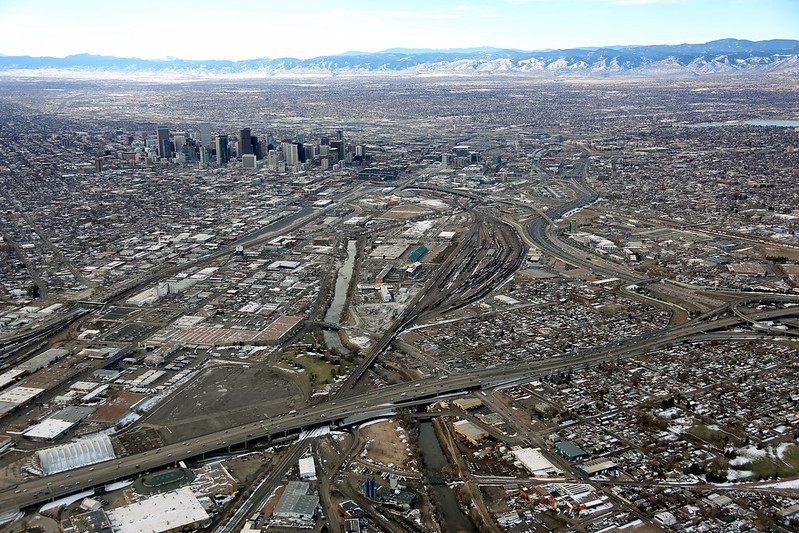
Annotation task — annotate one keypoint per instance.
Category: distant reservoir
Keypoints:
(779, 123)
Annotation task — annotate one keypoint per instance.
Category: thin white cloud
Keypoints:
(418, 15)
(614, 2)
(340, 13)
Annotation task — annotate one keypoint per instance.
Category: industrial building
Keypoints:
(49, 429)
(384, 272)
(570, 451)
(43, 360)
(77, 454)
(117, 408)
(534, 462)
(164, 513)
(350, 509)
(492, 419)
(295, 503)
(597, 467)
(472, 432)
(17, 396)
(417, 254)
(307, 468)
(467, 403)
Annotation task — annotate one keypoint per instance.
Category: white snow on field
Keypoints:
(337, 435)
(782, 448)
(373, 422)
(434, 203)
(680, 426)
(734, 475)
(792, 484)
(362, 341)
(751, 452)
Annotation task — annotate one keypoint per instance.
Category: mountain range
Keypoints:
(726, 56)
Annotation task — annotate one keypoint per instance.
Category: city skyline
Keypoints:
(199, 31)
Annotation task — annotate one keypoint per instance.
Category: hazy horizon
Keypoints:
(201, 31)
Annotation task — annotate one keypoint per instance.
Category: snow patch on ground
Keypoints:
(751, 451)
(373, 422)
(435, 204)
(680, 426)
(361, 341)
(782, 449)
(324, 391)
(337, 435)
(734, 475)
(790, 484)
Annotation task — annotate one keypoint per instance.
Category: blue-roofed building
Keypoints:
(571, 451)
(418, 254)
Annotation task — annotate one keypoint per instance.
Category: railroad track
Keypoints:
(469, 274)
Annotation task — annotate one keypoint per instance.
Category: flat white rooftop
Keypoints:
(534, 461)
(49, 429)
(164, 512)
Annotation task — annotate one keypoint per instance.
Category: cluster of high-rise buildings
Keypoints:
(251, 151)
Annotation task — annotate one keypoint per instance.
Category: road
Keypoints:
(375, 402)
(44, 331)
(468, 274)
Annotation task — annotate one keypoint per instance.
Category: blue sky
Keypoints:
(233, 29)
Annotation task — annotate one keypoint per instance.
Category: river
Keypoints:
(452, 519)
(333, 314)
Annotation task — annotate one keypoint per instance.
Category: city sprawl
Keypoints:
(396, 303)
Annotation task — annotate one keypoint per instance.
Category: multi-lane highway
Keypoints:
(341, 412)
(468, 274)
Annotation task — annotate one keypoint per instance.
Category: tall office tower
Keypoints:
(339, 147)
(300, 152)
(222, 156)
(290, 154)
(204, 155)
(309, 152)
(324, 141)
(301, 137)
(180, 140)
(163, 142)
(205, 134)
(272, 159)
(339, 135)
(256, 147)
(245, 143)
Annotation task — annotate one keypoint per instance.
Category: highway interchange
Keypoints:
(341, 412)
(465, 276)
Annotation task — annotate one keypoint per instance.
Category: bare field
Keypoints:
(386, 444)
(225, 396)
